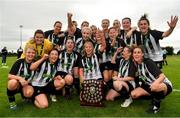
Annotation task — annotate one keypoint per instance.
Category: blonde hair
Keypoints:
(88, 29)
(30, 47)
(86, 43)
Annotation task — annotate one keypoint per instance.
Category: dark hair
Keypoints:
(106, 20)
(57, 22)
(127, 19)
(74, 21)
(141, 47)
(69, 37)
(53, 50)
(39, 31)
(144, 17)
(111, 28)
(129, 49)
(84, 22)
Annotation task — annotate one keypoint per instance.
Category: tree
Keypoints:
(178, 53)
(169, 50)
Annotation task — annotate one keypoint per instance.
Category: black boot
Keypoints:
(155, 106)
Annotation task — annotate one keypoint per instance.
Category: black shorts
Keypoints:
(105, 66)
(19, 89)
(43, 89)
(169, 88)
(61, 73)
(130, 86)
(146, 87)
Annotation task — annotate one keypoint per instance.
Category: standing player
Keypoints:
(105, 26)
(56, 36)
(4, 53)
(129, 34)
(117, 26)
(150, 38)
(19, 52)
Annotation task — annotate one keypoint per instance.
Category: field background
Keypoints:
(170, 106)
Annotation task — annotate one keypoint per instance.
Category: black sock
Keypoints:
(67, 89)
(124, 93)
(10, 94)
(51, 88)
(77, 85)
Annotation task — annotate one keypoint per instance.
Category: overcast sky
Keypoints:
(41, 14)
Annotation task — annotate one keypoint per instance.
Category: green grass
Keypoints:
(169, 107)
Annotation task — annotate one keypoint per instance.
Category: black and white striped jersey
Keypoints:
(44, 74)
(148, 72)
(109, 52)
(68, 61)
(22, 68)
(125, 68)
(98, 52)
(152, 45)
(77, 38)
(56, 39)
(79, 45)
(90, 67)
(135, 38)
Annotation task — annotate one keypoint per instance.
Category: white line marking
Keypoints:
(176, 90)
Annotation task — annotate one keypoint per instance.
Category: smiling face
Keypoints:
(53, 56)
(69, 45)
(138, 55)
(126, 53)
(143, 26)
(57, 27)
(39, 38)
(86, 33)
(105, 24)
(94, 29)
(117, 24)
(29, 54)
(88, 48)
(112, 33)
(126, 24)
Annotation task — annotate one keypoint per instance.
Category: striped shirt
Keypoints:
(90, 67)
(22, 68)
(68, 61)
(44, 74)
(134, 39)
(78, 44)
(56, 39)
(108, 54)
(148, 72)
(152, 45)
(125, 68)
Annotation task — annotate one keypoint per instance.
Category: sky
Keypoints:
(41, 14)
